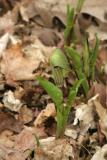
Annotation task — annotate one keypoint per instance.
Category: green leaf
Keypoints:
(73, 92)
(74, 55)
(70, 100)
(93, 58)
(79, 5)
(52, 90)
(78, 66)
(86, 54)
(60, 124)
(37, 140)
(70, 22)
(58, 59)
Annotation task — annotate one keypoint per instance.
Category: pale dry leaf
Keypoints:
(69, 132)
(99, 88)
(59, 149)
(26, 114)
(24, 14)
(3, 42)
(26, 139)
(92, 30)
(17, 67)
(102, 113)
(8, 21)
(102, 58)
(100, 154)
(27, 10)
(4, 139)
(49, 111)
(21, 63)
(85, 116)
(11, 102)
(105, 69)
(4, 151)
(18, 155)
(15, 156)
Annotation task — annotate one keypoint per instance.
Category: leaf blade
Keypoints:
(52, 90)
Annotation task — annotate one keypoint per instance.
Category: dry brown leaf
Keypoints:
(59, 149)
(100, 153)
(102, 56)
(3, 43)
(102, 113)
(4, 150)
(17, 67)
(99, 88)
(16, 156)
(21, 63)
(26, 114)
(7, 21)
(8, 122)
(48, 37)
(85, 115)
(5, 138)
(49, 111)
(27, 10)
(26, 139)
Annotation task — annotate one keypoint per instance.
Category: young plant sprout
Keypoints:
(58, 61)
(62, 109)
(72, 15)
(60, 67)
(84, 65)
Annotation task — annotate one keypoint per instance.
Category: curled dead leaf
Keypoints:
(8, 122)
(11, 102)
(100, 153)
(99, 88)
(49, 111)
(21, 64)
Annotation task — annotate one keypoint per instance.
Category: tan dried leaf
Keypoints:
(49, 111)
(102, 113)
(26, 114)
(100, 153)
(21, 63)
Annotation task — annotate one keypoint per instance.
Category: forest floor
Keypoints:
(30, 34)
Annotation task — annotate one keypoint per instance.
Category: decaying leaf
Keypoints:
(5, 138)
(27, 10)
(101, 153)
(85, 116)
(30, 31)
(99, 88)
(69, 132)
(26, 139)
(102, 113)
(8, 122)
(25, 115)
(102, 56)
(8, 21)
(21, 65)
(11, 102)
(54, 149)
(3, 43)
(49, 37)
(49, 111)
